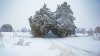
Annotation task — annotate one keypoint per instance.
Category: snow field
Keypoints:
(22, 44)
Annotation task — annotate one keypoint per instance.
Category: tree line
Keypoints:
(9, 28)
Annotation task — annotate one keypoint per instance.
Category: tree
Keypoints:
(90, 32)
(64, 21)
(83, 30)
(41, 23)
(97, 29)
(24, 30)
(78, 30)
(6, 28)
(60, 22)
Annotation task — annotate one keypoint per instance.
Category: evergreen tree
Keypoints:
(64, 21)
(61, 22)
(41, 23)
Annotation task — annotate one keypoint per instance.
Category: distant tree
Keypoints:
(90, 32)
(6, 28)
(24, 30)
(97, 29)
(83, 30)
(77, 30)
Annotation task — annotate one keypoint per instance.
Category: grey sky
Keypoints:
(17, 12)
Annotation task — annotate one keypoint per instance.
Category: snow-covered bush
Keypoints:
(20, 42)
(27, 43)
(6, 28)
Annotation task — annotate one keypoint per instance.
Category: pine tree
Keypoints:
(60, 22)
(64, 21)
(41, 23)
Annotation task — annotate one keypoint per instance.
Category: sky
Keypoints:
(17, 12)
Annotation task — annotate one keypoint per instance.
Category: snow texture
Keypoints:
(29, 46)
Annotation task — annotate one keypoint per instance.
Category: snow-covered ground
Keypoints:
(23, 44)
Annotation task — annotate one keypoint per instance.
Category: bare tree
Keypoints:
(97, 29)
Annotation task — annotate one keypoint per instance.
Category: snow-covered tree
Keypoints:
(83, 30)
(6, 28)
(61, 22)
(90, 32)
(77, 30)
(24, 30)
(64, 21)
(41, 23)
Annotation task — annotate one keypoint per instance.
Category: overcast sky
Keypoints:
(17, 12)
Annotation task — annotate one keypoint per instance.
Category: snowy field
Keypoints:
(23, 44)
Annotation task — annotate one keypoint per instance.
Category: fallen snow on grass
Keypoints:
(22, 44)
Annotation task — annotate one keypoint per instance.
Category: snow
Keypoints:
(82, 45)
